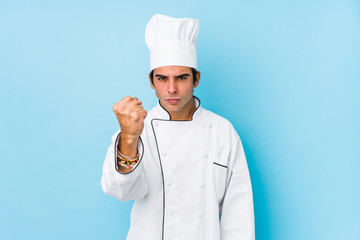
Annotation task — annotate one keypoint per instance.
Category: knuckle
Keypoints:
(121, 108)
(133, 114)
(115, 106)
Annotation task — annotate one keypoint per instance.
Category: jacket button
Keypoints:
(169, 183)
(164, 154)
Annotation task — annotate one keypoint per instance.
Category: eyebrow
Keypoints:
(159, 75)
(181, 75)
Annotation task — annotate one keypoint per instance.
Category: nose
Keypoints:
(172, 88)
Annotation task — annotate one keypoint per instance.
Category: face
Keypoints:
(174, 88)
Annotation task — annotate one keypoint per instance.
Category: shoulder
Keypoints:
(214, 117)
(219, 123)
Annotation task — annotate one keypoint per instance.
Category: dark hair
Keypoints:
(193, 70)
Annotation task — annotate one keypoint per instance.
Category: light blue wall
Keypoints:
(286, 73)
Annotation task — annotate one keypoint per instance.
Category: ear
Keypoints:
(197, 79)
(151, 85)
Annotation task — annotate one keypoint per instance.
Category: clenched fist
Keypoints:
(130, 114)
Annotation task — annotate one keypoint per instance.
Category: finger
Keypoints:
(135, 98)
(136, 108)
(132, 103)
(125, 99)
(122, 101)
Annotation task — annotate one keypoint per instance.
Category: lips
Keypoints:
(173, 100)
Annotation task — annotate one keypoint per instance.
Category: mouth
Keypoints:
(173, 100)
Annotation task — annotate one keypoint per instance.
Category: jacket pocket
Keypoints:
(220, 173)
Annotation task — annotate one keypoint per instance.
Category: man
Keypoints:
(183, 165)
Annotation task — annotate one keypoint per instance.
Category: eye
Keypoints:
(182, 78)
(161, 78)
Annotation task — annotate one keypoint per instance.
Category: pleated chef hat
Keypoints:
(172, 41)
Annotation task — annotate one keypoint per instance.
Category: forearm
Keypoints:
(237, 219)
(119, 184)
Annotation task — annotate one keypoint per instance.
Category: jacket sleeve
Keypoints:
(237, 211)
(123, 186)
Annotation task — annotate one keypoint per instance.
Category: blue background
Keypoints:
(285, 73)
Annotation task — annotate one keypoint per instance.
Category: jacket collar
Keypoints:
(161, 112)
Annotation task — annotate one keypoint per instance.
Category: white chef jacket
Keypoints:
(191, 183)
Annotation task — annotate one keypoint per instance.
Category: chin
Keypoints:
(172, 109)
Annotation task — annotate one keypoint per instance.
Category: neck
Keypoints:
(187, 115)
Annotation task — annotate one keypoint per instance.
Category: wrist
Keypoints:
(129, 139)
(128, 145)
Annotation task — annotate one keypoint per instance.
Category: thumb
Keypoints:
(143, 113)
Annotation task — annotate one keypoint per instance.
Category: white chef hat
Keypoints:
(172, 41)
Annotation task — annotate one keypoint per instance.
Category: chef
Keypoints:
(183, 165)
